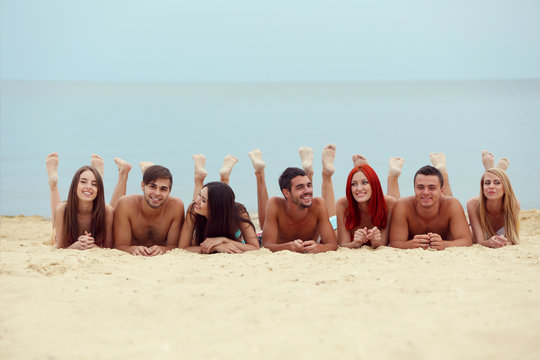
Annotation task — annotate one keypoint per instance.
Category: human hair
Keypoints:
(427, 171)
(510, 208)
(289, 174)
(154, 172)
(97, 226)
(376, 203)
(224, 214)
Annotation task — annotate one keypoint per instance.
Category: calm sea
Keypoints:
(167, 123)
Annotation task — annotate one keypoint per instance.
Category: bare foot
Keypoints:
(123, 166)
(200, 161)
(487, 159)
(228, 164)
(396, 164)
(328, 157)
(98, 163)
(52, 169)
(358, 160)
(256, 159)
(145, 165)
(503, 164)
(306, 155)
(439, 161)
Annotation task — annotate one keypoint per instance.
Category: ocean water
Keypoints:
(167, 123)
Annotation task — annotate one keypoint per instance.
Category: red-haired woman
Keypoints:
(363, 215)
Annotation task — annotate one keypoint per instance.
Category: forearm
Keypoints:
(350, 245)
(403, 244)
(279, 247)
(326, 247)
(458, 242)
(195, 249)
(126, 248)
(242, 246)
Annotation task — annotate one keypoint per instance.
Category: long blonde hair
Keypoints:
(510, 209)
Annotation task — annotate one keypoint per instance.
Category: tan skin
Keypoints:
(214, 244)
(296, 222)
(428, 219)
(148, 224)
(494, 192)
(86, 193)
(366, 233)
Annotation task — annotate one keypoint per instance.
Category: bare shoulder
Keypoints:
(318, 202)
(128, 204)
(404, 202)
(276, 202)
(175, 202)
(473, 203)
(450, 203)
(390, 202)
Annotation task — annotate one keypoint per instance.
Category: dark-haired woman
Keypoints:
(216, 223)
(84, 221)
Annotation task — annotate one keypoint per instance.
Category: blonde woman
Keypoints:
(494, 215)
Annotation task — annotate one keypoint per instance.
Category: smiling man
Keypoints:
(299, 222)
(428, 219)
(149, 224)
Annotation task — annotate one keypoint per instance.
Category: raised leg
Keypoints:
(262, 192)
(488, 160)
(503, 164)
(52, 171)
(120, 189)
(228, 163)
(358, 160)
(145, 165)
(327, 189)
(394, 171)
(306, 155)
(98, 163)
(200, 174)
(439, 161)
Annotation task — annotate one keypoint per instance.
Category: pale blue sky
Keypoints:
(247, 40)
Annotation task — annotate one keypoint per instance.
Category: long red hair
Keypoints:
(376, 203)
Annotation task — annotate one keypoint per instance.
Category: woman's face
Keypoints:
(201, 203)
(492, 187)
(87, 188)
(360, 187)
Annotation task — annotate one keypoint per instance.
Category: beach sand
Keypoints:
(460, 303)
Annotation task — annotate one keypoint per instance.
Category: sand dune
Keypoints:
(466, 303)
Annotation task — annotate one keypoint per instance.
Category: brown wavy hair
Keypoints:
(97, 226)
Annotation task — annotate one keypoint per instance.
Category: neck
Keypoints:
(494, 207)
(85, 207)
(363, 206)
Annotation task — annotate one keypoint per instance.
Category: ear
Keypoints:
(142, 186)
(285, 193)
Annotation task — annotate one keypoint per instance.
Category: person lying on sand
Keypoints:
(84, 221)
(494, 214)
(296, 221)
(214, 221)
(149, 224)
(429, 219)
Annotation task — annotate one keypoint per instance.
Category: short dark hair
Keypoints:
(427, 171)
(154, 172)
(289, 174)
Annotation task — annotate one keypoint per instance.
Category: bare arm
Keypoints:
(390, 203)
(328, 236)
(461, 235)
(186, 235)
(472, 208)
(61, 240)
(122, 227)
(109, 219)
(344, 237)
(270, 230)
